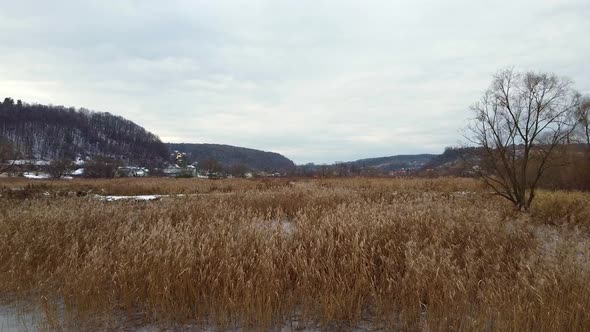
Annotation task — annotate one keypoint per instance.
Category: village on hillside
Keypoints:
(181, 167)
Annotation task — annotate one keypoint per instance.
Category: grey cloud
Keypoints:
(316, 80)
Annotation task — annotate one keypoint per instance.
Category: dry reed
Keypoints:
(400, 254)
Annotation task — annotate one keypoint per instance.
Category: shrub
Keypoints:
(562, 208)
(101, 167)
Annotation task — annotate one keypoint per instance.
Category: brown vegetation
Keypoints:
(404, 254)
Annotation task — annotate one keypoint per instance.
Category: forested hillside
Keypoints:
(230, 156)
(394, 163)
(50, 132)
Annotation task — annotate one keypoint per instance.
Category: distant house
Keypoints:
(399, 173)
(131, 172)
(172, 170)
(177, 171)
(263, 174)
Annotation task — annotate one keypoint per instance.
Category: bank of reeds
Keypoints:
(329, 254)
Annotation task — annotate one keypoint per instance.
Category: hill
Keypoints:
(394, 163)
(230, 156)
(50, 132)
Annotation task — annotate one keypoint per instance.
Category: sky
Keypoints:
(317, 81)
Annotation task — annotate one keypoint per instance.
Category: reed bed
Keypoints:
(134, 186)
(392, 254)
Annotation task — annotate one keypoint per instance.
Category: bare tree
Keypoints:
(238, 170)
(59, 168)
(8, 154)
(212, 167)
(583, 118)
(101, 167)
(520, 124)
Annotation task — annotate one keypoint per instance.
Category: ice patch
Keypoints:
(284, 225)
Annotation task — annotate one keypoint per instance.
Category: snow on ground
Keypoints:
(113, 198)
(129, 198)
(79, 171)
(28, 162)
(36, 176)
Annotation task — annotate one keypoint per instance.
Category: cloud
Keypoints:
(315, 80)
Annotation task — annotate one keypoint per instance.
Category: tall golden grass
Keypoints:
(399, 254)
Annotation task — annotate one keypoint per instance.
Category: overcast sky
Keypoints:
(314, 80)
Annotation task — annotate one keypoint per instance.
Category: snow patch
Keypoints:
(20, 162)
(129, 198)
(36, 176)
(79, 171)
(112, 198)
